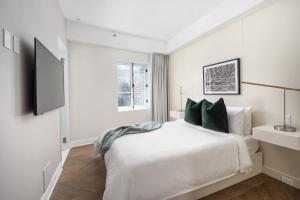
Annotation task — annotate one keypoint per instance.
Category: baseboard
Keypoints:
(278, 175)
(77, 143)
(64, 155)
(56, 175)
(51, 186)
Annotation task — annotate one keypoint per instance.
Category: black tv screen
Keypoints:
(49, 80)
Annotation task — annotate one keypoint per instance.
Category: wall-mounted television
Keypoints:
(48, 80)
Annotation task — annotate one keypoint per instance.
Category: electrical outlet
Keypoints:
(287, 180)
(6, 39)
(16, 45)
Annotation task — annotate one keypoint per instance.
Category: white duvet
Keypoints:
(172, 160)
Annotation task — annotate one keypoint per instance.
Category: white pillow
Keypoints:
(248, 120)
(236, 120)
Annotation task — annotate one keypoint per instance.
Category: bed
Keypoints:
(177, 162)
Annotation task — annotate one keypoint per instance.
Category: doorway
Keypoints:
(64, 111)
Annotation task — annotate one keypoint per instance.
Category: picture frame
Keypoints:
(222, 78)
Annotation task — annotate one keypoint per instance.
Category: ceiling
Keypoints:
(148, 26)
(155, 19)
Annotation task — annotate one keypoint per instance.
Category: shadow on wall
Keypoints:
(24, 82)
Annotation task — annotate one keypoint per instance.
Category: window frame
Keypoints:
(132, 107)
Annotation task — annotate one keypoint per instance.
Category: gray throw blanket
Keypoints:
(112, 134)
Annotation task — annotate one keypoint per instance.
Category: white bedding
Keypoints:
(172, 160)
(252, 144)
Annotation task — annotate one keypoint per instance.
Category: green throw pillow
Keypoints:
(214, 116)
(193, 112)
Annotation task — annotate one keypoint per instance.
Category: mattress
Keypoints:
(252, 144)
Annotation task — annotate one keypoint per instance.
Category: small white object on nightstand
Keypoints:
(267, 134)
(176, 114)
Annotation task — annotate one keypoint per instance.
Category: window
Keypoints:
(132, 86)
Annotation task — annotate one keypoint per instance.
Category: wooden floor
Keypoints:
(83, 178)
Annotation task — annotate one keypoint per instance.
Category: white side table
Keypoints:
(267, 134)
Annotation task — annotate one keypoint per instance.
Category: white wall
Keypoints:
(94, 35)
(27, 142)
(268, 44)
(93, 90)
(225, 12)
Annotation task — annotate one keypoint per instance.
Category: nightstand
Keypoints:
(176, 114)
(267, 134)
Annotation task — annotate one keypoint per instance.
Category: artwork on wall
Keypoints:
(222, 78)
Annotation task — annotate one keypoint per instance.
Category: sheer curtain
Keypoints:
(160, 93)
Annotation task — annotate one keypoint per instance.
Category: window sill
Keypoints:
(126, 109)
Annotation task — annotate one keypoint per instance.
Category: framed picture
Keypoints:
(222, 78)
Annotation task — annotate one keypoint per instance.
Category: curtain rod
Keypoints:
(271, 86)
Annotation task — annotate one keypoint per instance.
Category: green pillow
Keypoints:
(193, 112)
(214, 116)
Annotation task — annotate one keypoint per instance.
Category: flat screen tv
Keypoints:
(48, 80)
